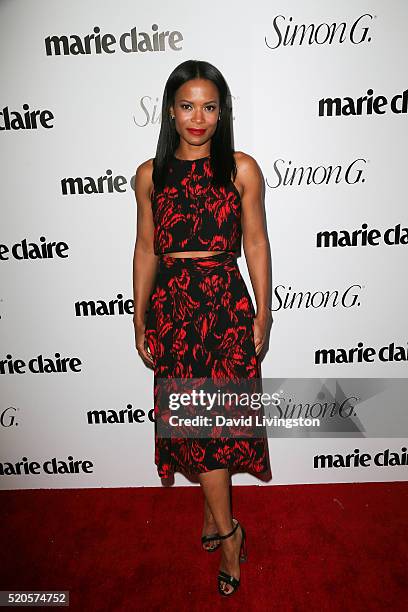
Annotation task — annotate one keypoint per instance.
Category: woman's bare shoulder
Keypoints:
(144, 174)
(145, 168)
(244, 160)
(246, 164)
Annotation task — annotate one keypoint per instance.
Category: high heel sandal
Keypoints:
(210, 538)
(243, 555)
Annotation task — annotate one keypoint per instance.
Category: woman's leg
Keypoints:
(209, 527)
(215, 485)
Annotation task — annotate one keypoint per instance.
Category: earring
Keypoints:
(219, 116)
(172, 116)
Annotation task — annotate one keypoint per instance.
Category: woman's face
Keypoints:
(196, 109)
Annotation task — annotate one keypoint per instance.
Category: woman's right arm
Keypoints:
(145, 262)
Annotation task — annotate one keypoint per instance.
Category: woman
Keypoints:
(195, 200)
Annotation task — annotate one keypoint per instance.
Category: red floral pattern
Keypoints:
(191, 214)
(200, 325)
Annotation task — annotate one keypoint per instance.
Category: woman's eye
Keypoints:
(185, 106)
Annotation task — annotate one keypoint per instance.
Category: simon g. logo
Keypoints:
(287, 299)
(150, 111)
(96, 43)
(287, 175)
(8, 417)
(287, 33)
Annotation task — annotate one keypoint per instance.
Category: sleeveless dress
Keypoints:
(199, 322)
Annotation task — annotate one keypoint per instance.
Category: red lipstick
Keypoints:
(196, 132)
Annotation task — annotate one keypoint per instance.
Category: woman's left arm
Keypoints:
(255, 242)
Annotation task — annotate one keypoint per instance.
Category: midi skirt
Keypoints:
(200, 323)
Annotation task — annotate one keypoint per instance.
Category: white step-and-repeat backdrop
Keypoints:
(320, 97)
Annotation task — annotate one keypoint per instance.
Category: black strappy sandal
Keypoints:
(243, 555)
(210, 538)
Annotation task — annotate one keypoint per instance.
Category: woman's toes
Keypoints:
(227, 588)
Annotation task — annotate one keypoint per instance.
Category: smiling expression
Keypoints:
(196, 109)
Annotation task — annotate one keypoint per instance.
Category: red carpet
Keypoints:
(312, 547)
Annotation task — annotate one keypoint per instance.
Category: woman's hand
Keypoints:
(141, 344)
(262, 322)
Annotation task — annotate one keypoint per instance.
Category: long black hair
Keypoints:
(222, 152)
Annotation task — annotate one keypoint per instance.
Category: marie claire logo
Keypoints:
(288, 299)
(124, 416)
(357, 459)
(365, 105)
(286, 175)
(87, 185)
(106, 183)
(362, 354)
(362, 237)
(103, 308)
(134, 41)
(25, 249)
(28, 467)
(40, 365)
(287, 33)
(29, 119)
